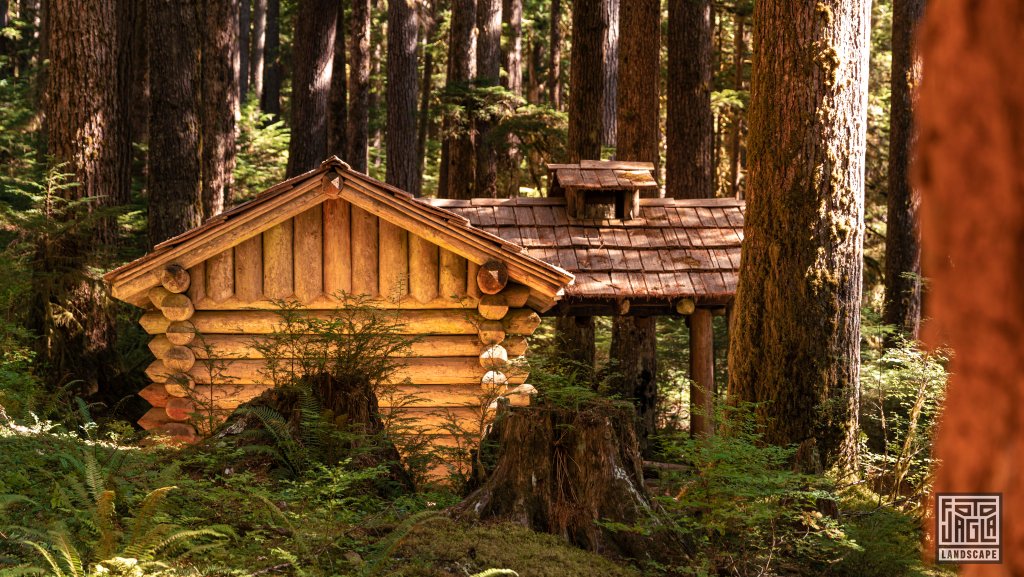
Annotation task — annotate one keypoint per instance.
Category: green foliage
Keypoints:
(903, 388)
(261, 152)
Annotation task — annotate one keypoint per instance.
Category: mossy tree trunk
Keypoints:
(968, 169)
(562, 471)
(87, 135)
(902, 239)
(795, 335)
(634, 339)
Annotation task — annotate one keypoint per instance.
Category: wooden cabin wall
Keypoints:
(468, 341)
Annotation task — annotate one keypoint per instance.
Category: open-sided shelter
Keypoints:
(471, 277)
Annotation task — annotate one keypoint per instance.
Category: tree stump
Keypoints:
(561, 470)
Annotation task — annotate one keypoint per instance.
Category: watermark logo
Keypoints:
(968, 528)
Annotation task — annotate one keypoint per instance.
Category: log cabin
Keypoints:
(469, 278)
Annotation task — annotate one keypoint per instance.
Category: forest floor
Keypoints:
(65, 492)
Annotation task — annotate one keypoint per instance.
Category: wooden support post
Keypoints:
(394, 261)
(702, 373)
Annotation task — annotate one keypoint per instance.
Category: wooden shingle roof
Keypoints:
(674, 249)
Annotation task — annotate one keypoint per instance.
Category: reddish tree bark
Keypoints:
(689, 124)
(402, 90)
(458, 160)
(358, 136)
(968, 161)
(219, 74)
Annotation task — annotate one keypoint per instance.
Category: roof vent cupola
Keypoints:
(596, 189)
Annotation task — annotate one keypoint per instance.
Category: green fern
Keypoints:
(389, 543)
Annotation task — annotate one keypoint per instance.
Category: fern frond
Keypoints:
(146, 511)
(388, 544)
(8, 500)
(93, 474)
(55, 567)
(69, 553)
(105, 524)
(496, 573)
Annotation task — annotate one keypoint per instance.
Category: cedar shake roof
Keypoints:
(674, 249)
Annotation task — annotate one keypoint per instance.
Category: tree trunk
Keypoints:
(256, 56)
(634, 339)
(87, 132)
(402, 91)
(562, 471)
(536, 50)
(270, 103)
(312, 62)
(358, 136)
(968, 169)
(586, 79)
(689, 122)
(459, 162)
(555, 56)
(611, 73)
(902, 240)
(219, 73)
(244, 25)
(488, 73)
(429, 23)
(702, 373)
(175, 160)
(512, 19)
(738, 55)
(337, 100)
(575, 336)
(795, 338)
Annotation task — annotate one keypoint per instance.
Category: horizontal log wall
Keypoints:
(468, 323)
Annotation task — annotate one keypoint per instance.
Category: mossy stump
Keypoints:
(570, 472)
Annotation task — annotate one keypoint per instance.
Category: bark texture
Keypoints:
(634, 339)
(219, 73)
(561, 471)
(967, 167)
(795, 335)
(256, 56)
(586, 79)
(358, 137)
(459, 161)
(244, 28)
(175, 160)
(87, 131)
(488, 73)
(902, 238)
(337, 99)
(312, 63)
(689, 124)
(611, 73)
(555, 56)
(402, 90)
(271, 100)
(512, 20)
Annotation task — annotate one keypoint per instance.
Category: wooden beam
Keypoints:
(493, 307)
(685, 306)
(394, 260)
(309, 255)
(177, 307)
(452, 283)
(249, 270)
(365, 231)
(244, 346)
(702, 373)
(494, 357)
(423, 269)
(492, 277)
(419, 371)
(220, 276)
(337, 247)
(278, 272)
(175, 278)
(180, 332)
